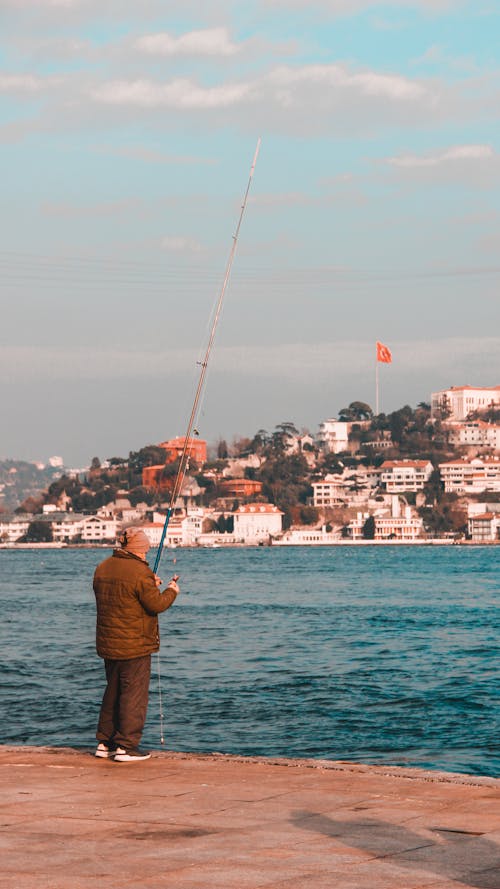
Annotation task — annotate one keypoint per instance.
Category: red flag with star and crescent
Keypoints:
(384, 354)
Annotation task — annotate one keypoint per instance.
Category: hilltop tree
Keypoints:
(357, 410)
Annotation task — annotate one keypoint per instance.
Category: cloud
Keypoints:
(152, 156)
(181, 94)
(469, 166)
(180, 244)
(311, 88)
(209, 42)
(455, 153)
(353, 7)
(26, 83)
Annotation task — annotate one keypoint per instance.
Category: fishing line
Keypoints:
(191, 430)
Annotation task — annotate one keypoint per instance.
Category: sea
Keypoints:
(383, 655)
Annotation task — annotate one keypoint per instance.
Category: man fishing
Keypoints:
(128, 601)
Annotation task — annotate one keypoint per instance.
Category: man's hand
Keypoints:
(173, 585)
(158, 581)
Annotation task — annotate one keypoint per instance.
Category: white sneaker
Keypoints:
(107, 751)
(132, 755)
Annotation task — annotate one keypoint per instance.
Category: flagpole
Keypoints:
(376, 384)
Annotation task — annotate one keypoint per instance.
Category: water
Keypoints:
(372, 654)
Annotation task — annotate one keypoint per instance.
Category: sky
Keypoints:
(127, 132)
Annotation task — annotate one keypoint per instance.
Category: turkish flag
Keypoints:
(383, 353)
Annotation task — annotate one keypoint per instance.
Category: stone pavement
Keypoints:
(179, 821)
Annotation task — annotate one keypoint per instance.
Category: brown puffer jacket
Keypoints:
(128, 602)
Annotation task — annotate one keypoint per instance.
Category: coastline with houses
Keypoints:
(424, 476)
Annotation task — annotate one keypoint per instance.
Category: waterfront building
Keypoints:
(471, 476)
(66, 526)
(184, 528)
(13, 527)
(98, 529)
(308, 537)
(257, 522)
(484, 527)
(399, 524)
(398, 476)
(458, 402)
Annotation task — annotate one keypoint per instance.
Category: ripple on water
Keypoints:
(383, 655)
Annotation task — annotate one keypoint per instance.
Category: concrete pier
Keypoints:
(179, 821)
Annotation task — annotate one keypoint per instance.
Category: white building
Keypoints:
(66, 526)
(183, 529)
(398, 476)
(460, 401)
(14, 527)
(399, 525)
(471, 476)
(333, 436)
(475, 433)
(308, 537)
(97, 529)
(484, 527)
(330, 491)
(257, 522)
(353, 487)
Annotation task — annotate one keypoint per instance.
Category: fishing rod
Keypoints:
(188, 441)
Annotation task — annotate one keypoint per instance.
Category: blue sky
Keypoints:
(127, 131)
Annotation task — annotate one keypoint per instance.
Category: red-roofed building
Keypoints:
(460, 401)
(197, 449)
(485, 527)
(257, 522)
(398, 476)
(239, 487)
(471, 476)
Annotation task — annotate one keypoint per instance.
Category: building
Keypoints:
(183, 528)
(174, 448)
(484, 527)
(333, 436)
(351, 488)
(96, 529)
(471, 476)
(330, 491)
(460, 401)
(256, 522)
(13, 527)
(238, 488)
(399, 525)
(475, 434)
(398, 476)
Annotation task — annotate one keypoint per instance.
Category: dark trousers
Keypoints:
(125, 701)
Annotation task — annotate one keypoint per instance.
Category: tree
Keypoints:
(357, 410)
(369, 528)
(282, 435)
(222, 451)
(308, 515)
(38, 532)
(95, 464)
(260, 441)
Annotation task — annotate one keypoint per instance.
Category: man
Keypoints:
(128, 602)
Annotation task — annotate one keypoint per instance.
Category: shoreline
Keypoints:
(433, 776)
(279, 544)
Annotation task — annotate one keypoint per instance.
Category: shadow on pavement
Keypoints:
(468, 858)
